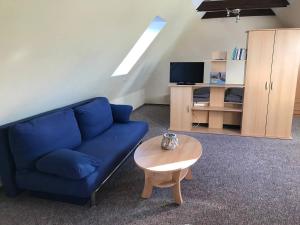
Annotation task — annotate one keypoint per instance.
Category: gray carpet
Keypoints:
(238, 180)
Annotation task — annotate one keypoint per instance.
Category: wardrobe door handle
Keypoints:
(188, 109)
(271, 86)
(266, 85)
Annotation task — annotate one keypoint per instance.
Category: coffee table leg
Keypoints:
(148, 187)
(189, 175)
(177, 188)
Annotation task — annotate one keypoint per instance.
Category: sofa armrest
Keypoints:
(121, 113)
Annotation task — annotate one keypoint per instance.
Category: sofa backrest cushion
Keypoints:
(68, 163)
(94, 117)
(37, 137)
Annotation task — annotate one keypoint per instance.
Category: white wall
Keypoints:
(54, 53)
(58, 52)
(290, 16)
(196, 43)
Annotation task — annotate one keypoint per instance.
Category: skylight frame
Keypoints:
(140, 47)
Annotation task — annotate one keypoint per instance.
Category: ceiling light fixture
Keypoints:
(235, 12)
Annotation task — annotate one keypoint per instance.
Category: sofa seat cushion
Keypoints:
(46, 183)
(68, 163)
(116, 142)
(43, 182)
(94, 117)
(37, 137)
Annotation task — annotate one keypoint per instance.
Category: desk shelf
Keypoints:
(217, 109)
(213, 116)
(200, 85)
(226, 131)
(225, 60)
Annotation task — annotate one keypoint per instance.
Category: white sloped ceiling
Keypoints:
(290, 16)
(59, 52)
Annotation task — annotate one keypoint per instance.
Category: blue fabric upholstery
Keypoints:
(121, 113)
(68, 163)
(35, 138)
(47, 183)
(94, 117)
(116, 142)
(110, 147)
(7, 165)
(24, 142)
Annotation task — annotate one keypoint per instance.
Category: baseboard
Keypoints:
(151, 104)
(163, 99)
(158, 104)
(136, 99)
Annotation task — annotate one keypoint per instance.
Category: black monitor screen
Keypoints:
(186, 72)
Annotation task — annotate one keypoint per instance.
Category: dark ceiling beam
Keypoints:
(208, 6)
(244, 13)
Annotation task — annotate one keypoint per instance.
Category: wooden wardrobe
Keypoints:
(270, 83)
(297, 99)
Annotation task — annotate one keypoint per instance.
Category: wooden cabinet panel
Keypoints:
(285, 70)
(258, 71)
(181, 108)
(216, 119)
(200, 116)
(297, 99)
(232, 118)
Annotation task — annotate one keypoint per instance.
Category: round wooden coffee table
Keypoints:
(167, 168)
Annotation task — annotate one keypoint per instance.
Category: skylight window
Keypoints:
(140, 46)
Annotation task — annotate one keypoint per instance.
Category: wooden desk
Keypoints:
(217, 114)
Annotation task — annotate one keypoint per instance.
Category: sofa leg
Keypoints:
(93, 199)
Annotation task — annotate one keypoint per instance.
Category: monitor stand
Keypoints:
(185, 83)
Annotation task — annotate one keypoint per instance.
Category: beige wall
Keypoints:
(59, 52)
(196, 43)
(290, 16)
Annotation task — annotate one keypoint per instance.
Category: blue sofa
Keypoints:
(67, 154)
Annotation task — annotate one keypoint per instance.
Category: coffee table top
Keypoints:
(150, 156)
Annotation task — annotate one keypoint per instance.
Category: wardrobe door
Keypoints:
(284, 76)
(258, 71)
(297, 99)
(181, 108)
